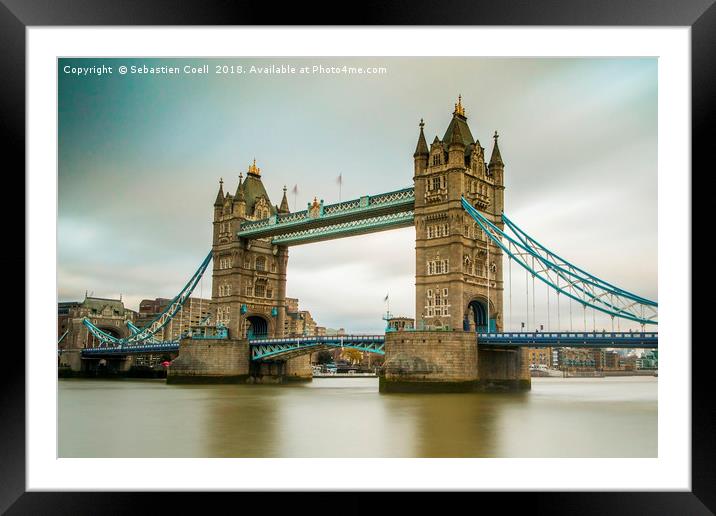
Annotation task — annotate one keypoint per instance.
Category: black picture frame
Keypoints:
(17, 15)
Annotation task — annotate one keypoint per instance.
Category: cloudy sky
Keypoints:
(140, 157)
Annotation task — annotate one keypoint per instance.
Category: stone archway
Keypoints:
(476, 316)
(258, 327)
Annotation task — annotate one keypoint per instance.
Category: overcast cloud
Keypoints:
(140, 158)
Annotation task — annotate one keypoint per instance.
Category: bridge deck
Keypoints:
(647, 340)
(262, 349)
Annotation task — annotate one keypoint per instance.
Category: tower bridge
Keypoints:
(456, 205)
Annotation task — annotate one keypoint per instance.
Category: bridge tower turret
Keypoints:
(458, 271)
(496, 170)
(421, 153)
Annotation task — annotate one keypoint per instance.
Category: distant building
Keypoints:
(194, 312)
(575, 359)
(598, 355)
(612, 360)
(628, 363)
(299, 322)
(291, 304)
(649, 360)
(540, 356)
(109, 315)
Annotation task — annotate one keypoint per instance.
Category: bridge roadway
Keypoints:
(263, 349)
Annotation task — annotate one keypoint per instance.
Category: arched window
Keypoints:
(260, 263)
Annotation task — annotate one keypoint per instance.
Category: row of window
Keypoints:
(474, 267)
(474, 186)
(225, 263)
(438, 267)
(223, 314)
(474, 231)
(438, 231)
(437, 183)
(437, 304)
(259, 290)
(259, 264)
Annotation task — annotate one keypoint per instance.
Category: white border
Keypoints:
(672, 468)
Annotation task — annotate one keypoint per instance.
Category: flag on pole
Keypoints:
(386, 297)
(339, 180)
(294, 190)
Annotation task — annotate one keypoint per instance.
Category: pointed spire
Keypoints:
(496, 158)
(457, 136)
(459, 110)
(239, 195)
(220, 196)
(284, 203)
(422, 148)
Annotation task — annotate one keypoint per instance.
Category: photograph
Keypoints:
(358, 257)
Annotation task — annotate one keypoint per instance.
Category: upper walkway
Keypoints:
(367, 214)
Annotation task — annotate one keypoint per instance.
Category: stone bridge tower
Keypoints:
(249, 276)
(458, 274)
(458, 271)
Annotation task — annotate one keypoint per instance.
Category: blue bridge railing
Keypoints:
(570, 339)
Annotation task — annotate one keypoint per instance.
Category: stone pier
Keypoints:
(210, 361)
(282, 371)
(449, 361)
(228, 361)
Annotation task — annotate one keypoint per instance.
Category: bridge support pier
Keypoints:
(71, 361)
(449, 361)
(210, 361)
(282, 371)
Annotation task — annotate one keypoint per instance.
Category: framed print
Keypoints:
(423, 254)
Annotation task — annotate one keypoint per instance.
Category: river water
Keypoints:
(348, 417)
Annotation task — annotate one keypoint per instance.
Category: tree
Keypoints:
(352, 355)
(324, 357)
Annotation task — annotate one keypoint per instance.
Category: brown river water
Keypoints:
(348, 417)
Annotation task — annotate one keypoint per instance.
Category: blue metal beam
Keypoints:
(160, 321)
(346, 229)
(271, 349)
(563, 277)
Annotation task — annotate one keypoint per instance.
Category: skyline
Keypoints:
(142, 156)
